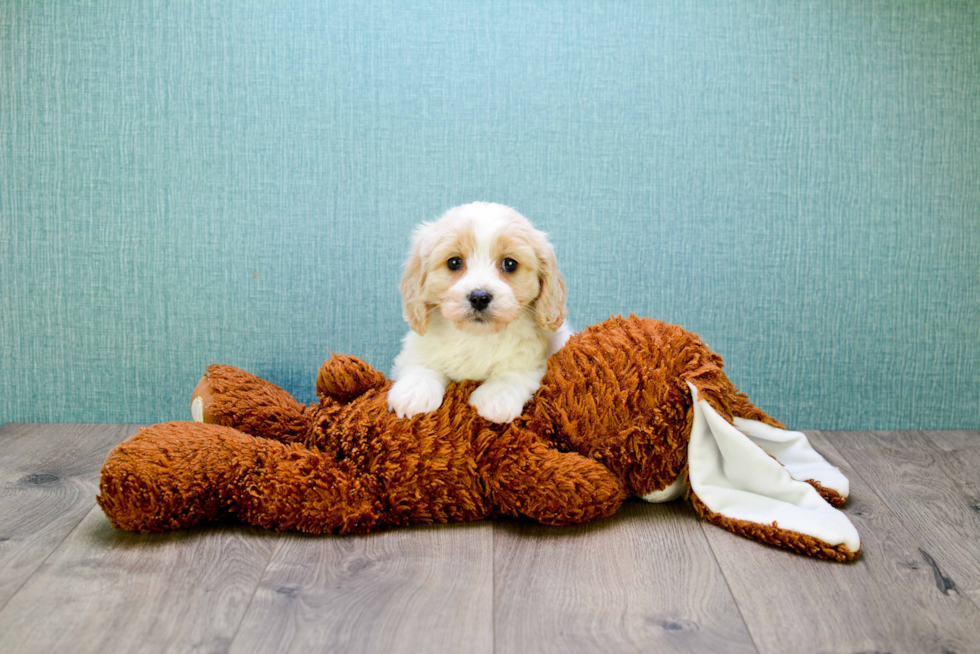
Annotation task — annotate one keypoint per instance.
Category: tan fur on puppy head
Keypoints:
(425, 270)
(415, 311)
(550, 303)
(540, 283)
(428, 282)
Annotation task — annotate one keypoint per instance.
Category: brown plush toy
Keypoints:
(628, 407)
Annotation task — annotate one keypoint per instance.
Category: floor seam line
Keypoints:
(57, 547)
(493, 587)
(731, 594)
(258, 583)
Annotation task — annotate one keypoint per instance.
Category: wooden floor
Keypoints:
(652, 579)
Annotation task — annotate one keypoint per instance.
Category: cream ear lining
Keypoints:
(793, 450)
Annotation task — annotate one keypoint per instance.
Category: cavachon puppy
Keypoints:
(482, 293)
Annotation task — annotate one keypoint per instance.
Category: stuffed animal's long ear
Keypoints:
(550, 305)
(765, 483)
(414, 308)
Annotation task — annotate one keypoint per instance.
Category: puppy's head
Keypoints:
(481, 265)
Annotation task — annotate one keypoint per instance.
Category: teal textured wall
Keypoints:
(186, 183)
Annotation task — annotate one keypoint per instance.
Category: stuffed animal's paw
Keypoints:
(415, 394)
(499, 401)
(201, 401)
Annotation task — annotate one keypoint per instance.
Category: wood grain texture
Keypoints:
(934, 493)
(652, 578)
(641, 581)
(961, 454)
(423, 589)
(106, 590)
(48, 481)
(886, 601)
(952, 441)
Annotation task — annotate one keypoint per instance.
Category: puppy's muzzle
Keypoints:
(479, 299)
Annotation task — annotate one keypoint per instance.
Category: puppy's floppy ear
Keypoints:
(414, 308)
(550, 305)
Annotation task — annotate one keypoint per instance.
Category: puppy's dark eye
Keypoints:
(455, 263)
(509, 265)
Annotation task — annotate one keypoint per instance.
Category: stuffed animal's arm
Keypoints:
(530, 478)
(343, 378)
(231, 397)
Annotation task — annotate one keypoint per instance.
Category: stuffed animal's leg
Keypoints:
(174, 475)
(552, 487)
(737, 485)
(234, 398)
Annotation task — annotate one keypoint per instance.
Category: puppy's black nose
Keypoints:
(480, 299)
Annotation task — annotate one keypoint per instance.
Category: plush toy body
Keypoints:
(628, 407)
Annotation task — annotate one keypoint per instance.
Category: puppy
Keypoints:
(482, 293)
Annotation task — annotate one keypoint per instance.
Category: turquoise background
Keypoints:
(197, 182)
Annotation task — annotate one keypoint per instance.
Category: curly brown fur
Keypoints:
(617, 393)
(612, 417)
(367, 470)
(833, 497)
(271, 412)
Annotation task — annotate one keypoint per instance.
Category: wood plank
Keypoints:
(950, 441)
(641, 581)
(929, 490)
(422, 589)
(886, 601)
(48, 482)
(106, 590)
(961, 454)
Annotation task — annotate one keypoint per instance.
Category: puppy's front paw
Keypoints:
(413, 395)
(499, 402)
